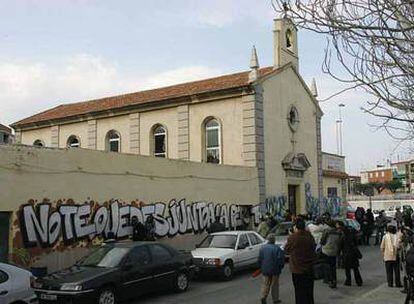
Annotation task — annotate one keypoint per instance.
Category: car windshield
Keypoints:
(105, 257)
(219, 241)
(282, 229)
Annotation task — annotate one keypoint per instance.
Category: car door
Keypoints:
(6, 292)
(243, 251)
(138, 276)
(256, 244)
(165, 267)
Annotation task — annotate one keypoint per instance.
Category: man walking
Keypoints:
(271, 261)
(301, 248)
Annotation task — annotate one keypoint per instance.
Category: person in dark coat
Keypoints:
(351, 256)
(271, 261)
(217, 226)
(366, 230)
(300, 247)
(150, 228)
(138, 230)
(370, 218)
(359, 214)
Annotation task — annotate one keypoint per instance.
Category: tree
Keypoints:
(394, 185)
(370, 45)
(364, 189)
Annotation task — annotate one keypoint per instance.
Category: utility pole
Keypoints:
(339, 134)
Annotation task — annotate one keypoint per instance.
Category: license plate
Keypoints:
(50, 297)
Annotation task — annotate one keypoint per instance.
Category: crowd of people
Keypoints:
(317, 248)
(312, 246)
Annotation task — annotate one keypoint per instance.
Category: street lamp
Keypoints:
(339, 135)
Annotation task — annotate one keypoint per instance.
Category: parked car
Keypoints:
(224, 252)
(15, 285)
(118, 271)
(281, 231)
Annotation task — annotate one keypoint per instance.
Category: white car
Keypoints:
(224, 252)
(15, 285)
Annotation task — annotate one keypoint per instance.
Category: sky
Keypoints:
(54, 52)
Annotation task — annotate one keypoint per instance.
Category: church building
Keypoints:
(265, 117)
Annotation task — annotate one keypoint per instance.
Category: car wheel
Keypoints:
(106, 296)
(181, 282)
(227, 271)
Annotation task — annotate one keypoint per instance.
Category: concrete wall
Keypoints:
(331, 182)
(30, 176)
(333, 162)
(280, 92)
(43, 134)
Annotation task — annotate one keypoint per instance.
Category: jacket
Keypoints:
(263, 229)
(409, 266)
(331, 242)
(389, 246)
(350, 251)
(300, 247)
(271, 260)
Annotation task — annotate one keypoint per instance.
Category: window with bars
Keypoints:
(38, 143)
(73, 142)
(212, 144)
(113, 141)
(159, 141)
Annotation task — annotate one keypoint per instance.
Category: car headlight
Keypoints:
(71, 287)
(34, 283)
(213, 262)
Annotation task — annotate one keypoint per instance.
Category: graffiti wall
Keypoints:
(62, 201)
(50, 225)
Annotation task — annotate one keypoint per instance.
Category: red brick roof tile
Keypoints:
(116, 102)
(334, 174)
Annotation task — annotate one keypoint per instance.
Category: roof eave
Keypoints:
(145, 106)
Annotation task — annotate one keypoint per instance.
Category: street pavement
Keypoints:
(245, 289)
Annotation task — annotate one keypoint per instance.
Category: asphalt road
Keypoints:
(245, 289)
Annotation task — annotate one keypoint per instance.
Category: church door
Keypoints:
(292, 198)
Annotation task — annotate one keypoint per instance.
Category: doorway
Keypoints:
(292, 198)
(4, 236)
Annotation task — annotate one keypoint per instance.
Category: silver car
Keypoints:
(15, 285)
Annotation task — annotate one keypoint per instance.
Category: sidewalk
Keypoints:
(381, 295)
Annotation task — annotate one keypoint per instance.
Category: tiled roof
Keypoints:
(335, 174)
(5, 128)
(116, 102)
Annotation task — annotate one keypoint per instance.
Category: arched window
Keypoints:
(159, 139)
(212, 141)
(113, 141)
(289, 36)
(73, 142)
(38, 143)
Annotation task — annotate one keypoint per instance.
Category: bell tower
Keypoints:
(285, 43)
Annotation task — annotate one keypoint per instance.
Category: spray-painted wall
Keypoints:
(62, 201)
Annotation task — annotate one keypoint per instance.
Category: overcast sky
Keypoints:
(53, 52)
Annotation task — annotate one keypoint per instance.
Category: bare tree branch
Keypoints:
(370, 46)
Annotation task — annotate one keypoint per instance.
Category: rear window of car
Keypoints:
(139, 256)
(219, 241)
(3, 276)
(160, 253)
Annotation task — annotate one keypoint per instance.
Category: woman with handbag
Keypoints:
(351, 256)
